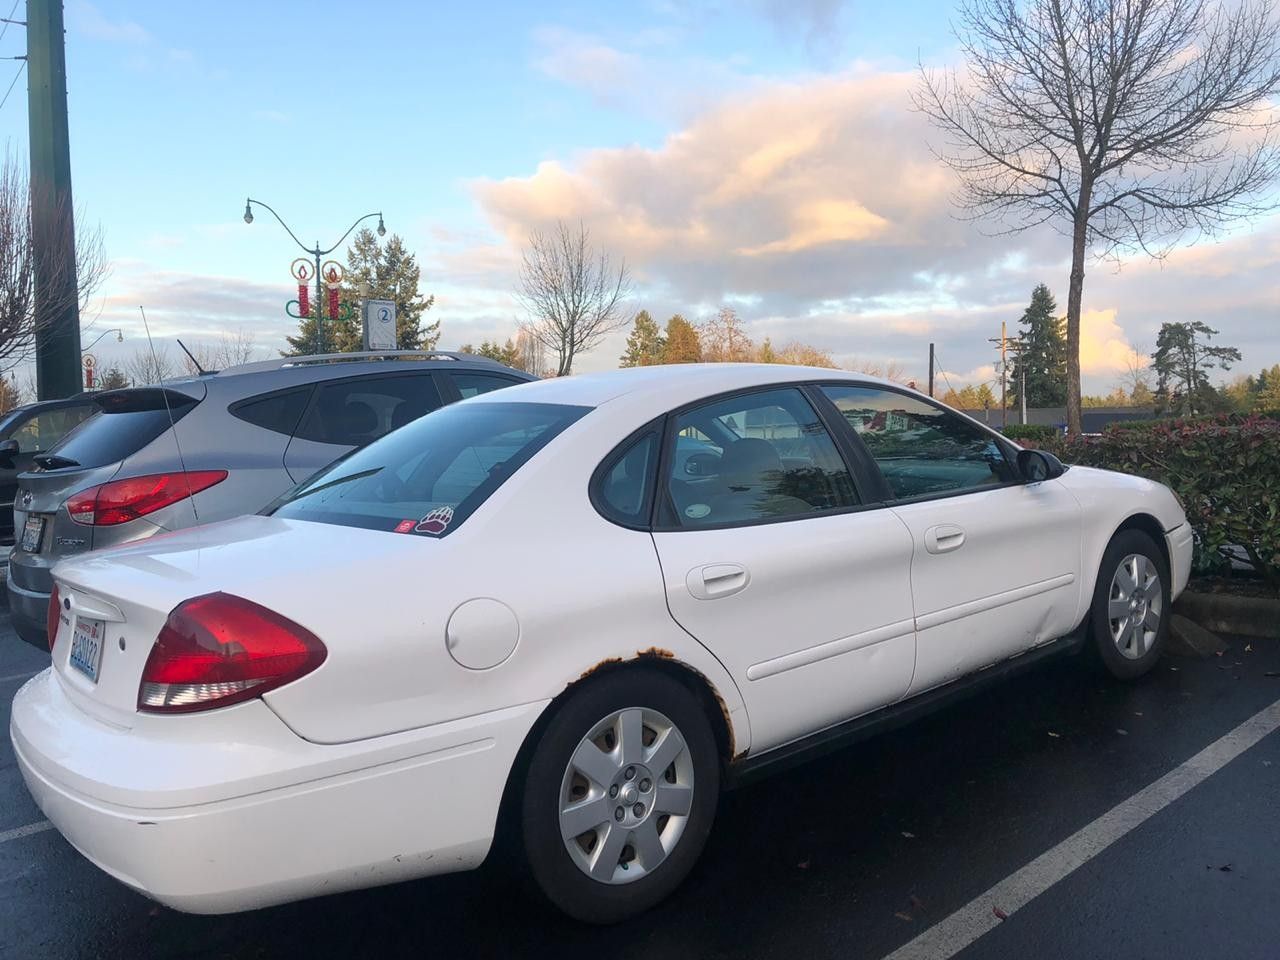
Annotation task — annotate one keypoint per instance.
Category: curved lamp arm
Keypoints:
(314, 251)
(382, 230)
(248, 216)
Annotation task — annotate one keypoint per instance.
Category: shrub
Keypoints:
(1031, 431)
(1225, 470)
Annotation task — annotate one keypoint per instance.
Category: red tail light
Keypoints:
(123, 500)
(51, 617)
(220, 649)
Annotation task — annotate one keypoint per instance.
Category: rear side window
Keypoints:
(355, 412)
(474, 384)
(430, 476)
(129, 421)
(278, 412)
(623, 488)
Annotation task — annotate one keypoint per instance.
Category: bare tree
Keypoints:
(1130, 125)
(231, 350)
(18, 320)
(150, 364)
(573, 294)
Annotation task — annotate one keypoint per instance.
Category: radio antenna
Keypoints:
(192, 357)
(173, 424)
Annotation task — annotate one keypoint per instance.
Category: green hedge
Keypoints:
(1225, 470)
(1031, 431)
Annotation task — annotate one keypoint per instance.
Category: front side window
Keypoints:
(428, 477)
(352, 413)
(474, 384)
(922, 450)
(763, 456)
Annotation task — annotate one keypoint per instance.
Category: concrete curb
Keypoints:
(1225, 613)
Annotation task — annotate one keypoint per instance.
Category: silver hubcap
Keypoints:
(1134, 606)
(626, 795)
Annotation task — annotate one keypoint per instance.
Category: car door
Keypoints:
(775, 563)
(996, 565)
(35, 431)
(344, 414)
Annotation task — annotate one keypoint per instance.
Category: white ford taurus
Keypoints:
(576, 607)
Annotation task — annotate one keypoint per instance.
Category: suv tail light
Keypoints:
(220, 649)
(51, 617)
(123, 500)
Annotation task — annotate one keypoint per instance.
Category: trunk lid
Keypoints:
(289, 566)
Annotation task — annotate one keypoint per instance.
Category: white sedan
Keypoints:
(576, 607)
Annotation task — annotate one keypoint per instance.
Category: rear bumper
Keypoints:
(28, 610)
(1181, 542)
(317, 820)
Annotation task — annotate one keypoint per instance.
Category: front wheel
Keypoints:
(620, 796)
(1131, 605)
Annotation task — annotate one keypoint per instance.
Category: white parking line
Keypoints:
(18, 676)
(18, 833)
(983, 913)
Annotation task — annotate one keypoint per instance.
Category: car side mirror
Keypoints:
(1036, 465)
(8, 450)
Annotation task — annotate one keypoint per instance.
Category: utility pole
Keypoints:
(931, 369)
(1003, 344)
(53, 235)
(1022, 389)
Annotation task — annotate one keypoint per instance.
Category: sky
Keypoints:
(760, 154)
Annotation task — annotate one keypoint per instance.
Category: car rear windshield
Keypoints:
(130, 419)
(429, 476)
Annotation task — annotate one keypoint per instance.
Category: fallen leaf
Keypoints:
(1225, 868)
(1174, 669)
(1000, 914)
(1248, 648)
(1266, 763)
(1123, 733)
(917, 902)
(1056, 736)
(803, 865)
(1137, 713)
(1218, 653)
(908, 834)
(904, 916)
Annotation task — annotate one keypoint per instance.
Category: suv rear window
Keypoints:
(130, 419)
(427, 477)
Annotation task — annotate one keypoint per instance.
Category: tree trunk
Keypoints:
(1075, 293)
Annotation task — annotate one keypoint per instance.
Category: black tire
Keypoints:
(554, 871)
(1108, 655)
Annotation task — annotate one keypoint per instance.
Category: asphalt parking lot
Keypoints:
(1058, 815)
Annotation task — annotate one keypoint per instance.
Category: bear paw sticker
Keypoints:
(437, 521)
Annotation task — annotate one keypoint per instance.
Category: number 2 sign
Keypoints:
(380, 324)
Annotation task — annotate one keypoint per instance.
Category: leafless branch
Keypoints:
(572, 294)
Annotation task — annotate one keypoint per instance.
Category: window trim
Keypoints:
(595, 488)
(1006, 448)
(456, 394)
(663, 518)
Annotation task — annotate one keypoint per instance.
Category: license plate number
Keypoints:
(86, 646)
(32, 531)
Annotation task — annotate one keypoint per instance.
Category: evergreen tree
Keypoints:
(767, 354)
(683, 345)
(1181, 361)
(645, 345)
(112, 378)
(392, 273)
(1042, 358)
(508, 353)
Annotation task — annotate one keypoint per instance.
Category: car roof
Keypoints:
(673, 384)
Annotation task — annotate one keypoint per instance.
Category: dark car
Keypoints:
(25, 432)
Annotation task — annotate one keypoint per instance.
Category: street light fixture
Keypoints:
(315, 252)
(115, 330)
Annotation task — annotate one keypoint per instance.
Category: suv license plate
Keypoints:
(86, 646)
(32, 532)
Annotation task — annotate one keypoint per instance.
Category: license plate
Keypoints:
(32, 532)
(86, 646)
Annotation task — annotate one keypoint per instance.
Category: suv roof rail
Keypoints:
(357, 356)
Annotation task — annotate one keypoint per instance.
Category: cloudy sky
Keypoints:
(758, 153)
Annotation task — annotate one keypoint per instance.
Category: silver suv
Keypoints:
(214, 446)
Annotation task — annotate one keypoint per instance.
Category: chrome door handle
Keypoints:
(943, 538)
(717, 580)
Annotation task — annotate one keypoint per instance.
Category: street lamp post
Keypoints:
(315, 252)
(115, 330)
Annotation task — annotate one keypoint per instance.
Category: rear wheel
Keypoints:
(620, 796)
(1131, 605)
